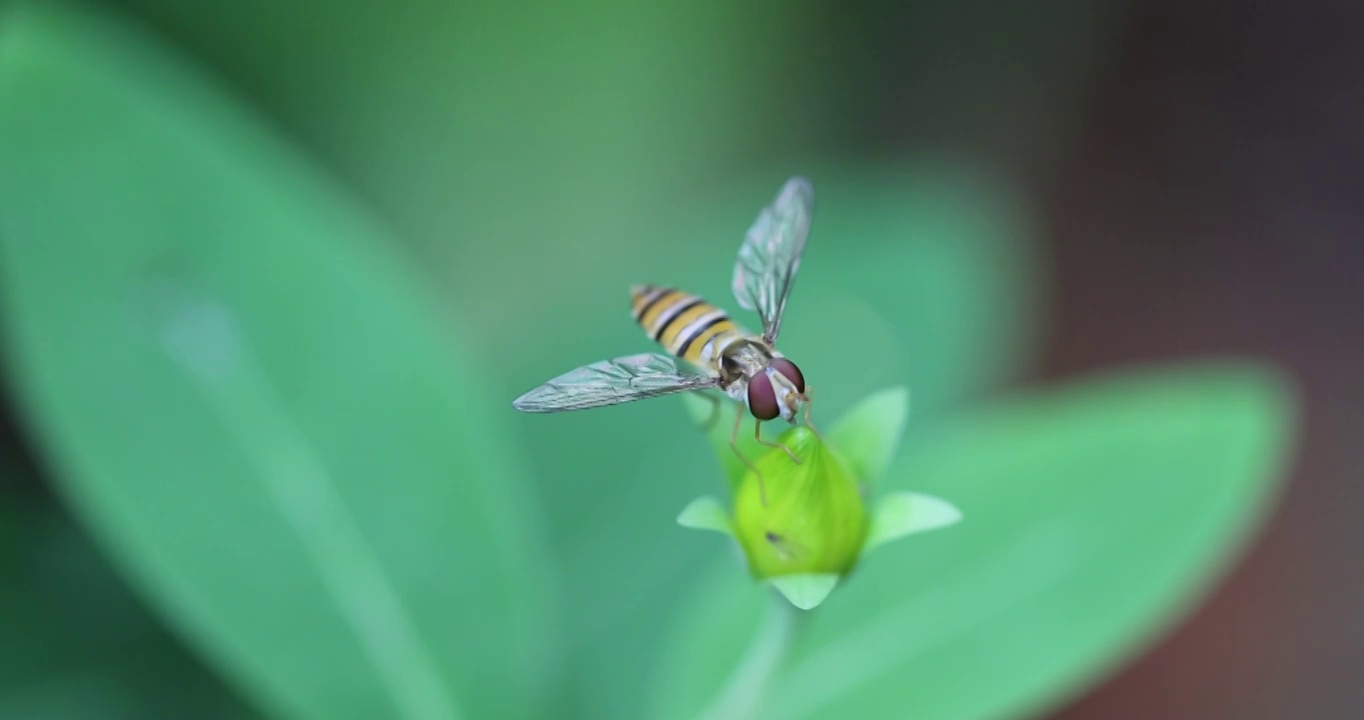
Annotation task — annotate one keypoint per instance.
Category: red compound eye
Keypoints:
(792, 373)
(762, 400)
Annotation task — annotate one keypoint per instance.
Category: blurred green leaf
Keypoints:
(1100, 512)
(249, 400)
(729, 617)
(90, 697)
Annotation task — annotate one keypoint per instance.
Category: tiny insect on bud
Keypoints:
(814, 520)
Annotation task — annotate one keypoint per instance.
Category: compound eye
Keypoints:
(792, 373)
(762, 400)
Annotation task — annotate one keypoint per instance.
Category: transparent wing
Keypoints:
(770, 255)
(611, 382)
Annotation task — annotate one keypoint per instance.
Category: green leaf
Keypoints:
(867, 436)
(805, 591)
(730, 616)
(249, 400)
(1101, 512)
(905, 513)
(705, 513)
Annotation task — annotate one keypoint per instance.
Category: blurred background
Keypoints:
(1009, 197)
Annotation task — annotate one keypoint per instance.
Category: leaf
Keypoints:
(705, 513)
(805, 591)
(905, 513)
(730, 616)
(868, 435)
(1101, 512)
(248, 399)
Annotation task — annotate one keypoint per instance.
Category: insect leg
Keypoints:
(733, 436)
(757, 426)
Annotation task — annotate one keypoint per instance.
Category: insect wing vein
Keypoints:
(612, 382)
(771, 252)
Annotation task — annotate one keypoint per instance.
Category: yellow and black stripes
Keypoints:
(682, 323)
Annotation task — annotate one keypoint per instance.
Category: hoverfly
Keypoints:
(719, 354)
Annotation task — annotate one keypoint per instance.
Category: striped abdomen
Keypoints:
(685, 325)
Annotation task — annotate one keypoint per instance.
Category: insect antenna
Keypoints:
(808, 405)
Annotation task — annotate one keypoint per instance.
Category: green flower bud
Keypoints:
(815, 523)
(814, 520)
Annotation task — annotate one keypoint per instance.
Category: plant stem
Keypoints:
(741, 697)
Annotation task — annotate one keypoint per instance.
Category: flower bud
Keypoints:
(814, 519)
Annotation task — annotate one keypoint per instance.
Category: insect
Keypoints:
(719, 354)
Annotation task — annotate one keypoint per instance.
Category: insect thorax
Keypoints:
(743, 358)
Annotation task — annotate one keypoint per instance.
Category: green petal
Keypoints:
(705, 513)
(905, 513)
(868, 434)
(805, 591)
(248, 398)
